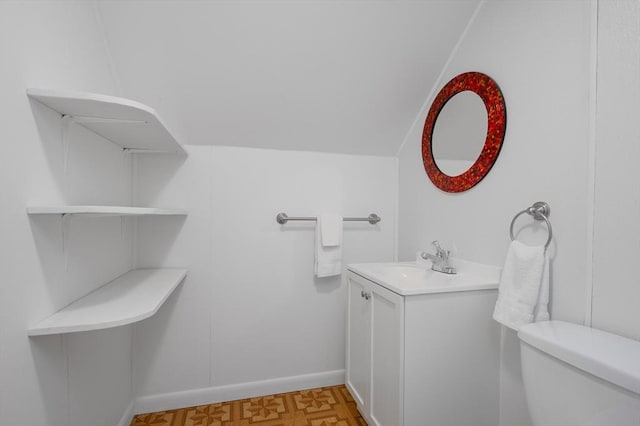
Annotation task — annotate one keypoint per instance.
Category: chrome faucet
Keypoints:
(440, 261)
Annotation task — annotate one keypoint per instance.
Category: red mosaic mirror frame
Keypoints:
(488, 90)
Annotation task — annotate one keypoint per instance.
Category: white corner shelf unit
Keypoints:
(139, 293)
(98, 211)
(132, 297)
(133, 126)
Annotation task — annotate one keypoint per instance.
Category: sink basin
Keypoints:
(410, 278)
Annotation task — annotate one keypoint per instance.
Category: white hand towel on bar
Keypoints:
(328, 260)
(523, 293)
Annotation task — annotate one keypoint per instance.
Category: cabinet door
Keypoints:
(358, 362)
(387, 357)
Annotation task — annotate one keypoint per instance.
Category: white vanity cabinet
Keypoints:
(416, 358)
(374, 351)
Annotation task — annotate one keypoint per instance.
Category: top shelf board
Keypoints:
(129, 124)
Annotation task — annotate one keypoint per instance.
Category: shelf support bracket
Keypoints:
(66, 123)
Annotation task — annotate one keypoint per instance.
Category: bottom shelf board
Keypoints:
(132, 297)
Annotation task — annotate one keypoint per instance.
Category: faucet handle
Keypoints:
(440, 252)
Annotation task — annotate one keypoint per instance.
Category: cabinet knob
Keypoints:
(366, 295)
(362, 293)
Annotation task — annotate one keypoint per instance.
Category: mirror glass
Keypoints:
(459, 133)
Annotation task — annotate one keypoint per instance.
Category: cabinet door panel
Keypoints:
(359, 343)
(387, 357)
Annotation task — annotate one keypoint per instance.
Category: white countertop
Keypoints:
(413, 278)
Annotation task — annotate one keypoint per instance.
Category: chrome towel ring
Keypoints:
(539, 211)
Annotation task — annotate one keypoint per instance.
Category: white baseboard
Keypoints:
(126, 418)
(212, 395)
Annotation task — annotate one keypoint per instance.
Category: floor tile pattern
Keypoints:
(329, 406)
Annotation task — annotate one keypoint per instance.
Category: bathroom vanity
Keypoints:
(422, 347)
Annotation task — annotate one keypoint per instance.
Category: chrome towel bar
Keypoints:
(373, 218)
(539, 211)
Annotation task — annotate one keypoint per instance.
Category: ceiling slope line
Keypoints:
(107, 47)
(591, 193)
(438, 82)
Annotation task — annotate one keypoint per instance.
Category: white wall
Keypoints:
(250, 309)
(616, 248)
(78, 379)
(539, 54)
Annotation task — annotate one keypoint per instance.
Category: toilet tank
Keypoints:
(579, 376)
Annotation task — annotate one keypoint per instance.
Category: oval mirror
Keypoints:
(463, 132)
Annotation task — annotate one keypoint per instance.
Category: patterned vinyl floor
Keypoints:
(330, 406)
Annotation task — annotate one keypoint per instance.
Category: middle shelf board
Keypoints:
(132, 297)
(105, 211)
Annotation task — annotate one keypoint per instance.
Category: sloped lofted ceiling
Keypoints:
(328, 76)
